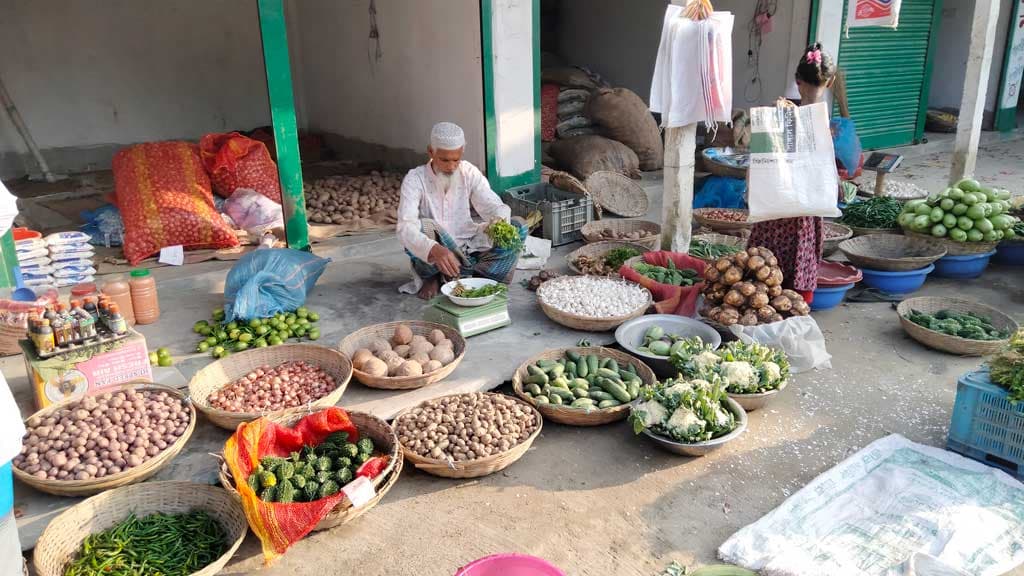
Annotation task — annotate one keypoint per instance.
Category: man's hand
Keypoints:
(446, 261)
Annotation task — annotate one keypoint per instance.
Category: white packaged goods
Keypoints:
(31, 262)
(72, 280)
(30, 254)
(37, 281)
(30, 244)
(70, 248)
(73, 271)
(37, 269)
(59, 238)
(72, 259)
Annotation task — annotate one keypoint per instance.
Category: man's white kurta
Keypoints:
(423, 196)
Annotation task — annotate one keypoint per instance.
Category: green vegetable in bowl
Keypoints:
(462, 291)
(742, 368)
(706, 250)
(1007, 368)
(616, 257)
(668, 275)
(505, 236)
(877, 212)
(967, 325)
(961, 215)
(659, 343)
(684, 410)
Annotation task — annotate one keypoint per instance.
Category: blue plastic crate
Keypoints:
(985, 426)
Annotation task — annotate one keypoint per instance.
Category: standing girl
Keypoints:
(797, 242)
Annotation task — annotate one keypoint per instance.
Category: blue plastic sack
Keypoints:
(721, 192)
(265, 282)
(847, 144)
(104, 226)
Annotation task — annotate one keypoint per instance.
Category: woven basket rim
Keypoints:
(468, 465)
(552, 311)
(715, 224)
(567, 415)
(628, 200)
(356, 338)
(994, 314)
(130, 476)
(591, 231)
(602, 248)
(201, 400)
(956, 248)
(864, 251)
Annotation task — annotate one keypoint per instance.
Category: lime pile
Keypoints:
(160, 357)
(221, 338)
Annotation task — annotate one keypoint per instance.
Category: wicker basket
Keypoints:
(472, 468)
(617, 193)
(890, 253)
(382, 435)
(955, 248)
(715, 238)
(361, 338)
(954, 344)
(720, 169)
(586, 323)
(598, 250)
(720, 225)
(130, 476)
(64, 534)
(10, 336)
(592, 231)
(842, 232)
(226, 370)
(576, 416)
(858, 231)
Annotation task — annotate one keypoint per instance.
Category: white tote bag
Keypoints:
(792, 163)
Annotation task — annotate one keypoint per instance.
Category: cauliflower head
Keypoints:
(739, 377)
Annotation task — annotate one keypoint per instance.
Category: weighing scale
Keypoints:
(882, 165)
(469, 321)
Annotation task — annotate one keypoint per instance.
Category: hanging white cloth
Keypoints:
(693, 54)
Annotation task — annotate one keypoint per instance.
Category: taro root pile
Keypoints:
(610, 234)
(541, 277)
(341, 199)
(746, 289)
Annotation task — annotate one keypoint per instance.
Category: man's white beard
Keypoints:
(445, 180)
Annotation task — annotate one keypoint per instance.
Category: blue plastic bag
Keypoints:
(847, 144)
(265, 282)
(104, 226)
(721, 192)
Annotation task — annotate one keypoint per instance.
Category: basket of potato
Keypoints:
(403, 355)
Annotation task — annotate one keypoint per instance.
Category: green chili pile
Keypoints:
(155, 545)
(877, 212)
(705, 250)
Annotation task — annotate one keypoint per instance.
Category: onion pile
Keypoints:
(266, 389)
(102, 435)
(340, 199)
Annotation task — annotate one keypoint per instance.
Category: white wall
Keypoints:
(430, 71)
(114, 72)
(619, 40)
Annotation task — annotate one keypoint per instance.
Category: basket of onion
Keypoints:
(746, 288)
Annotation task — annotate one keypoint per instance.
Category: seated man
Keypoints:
(435, 224)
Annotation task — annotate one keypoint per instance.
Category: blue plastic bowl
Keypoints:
(826, 297)
(1011, 253)
(896, 282)
(969, 266)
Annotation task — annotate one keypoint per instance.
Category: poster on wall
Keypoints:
(1014, 61)
(885, 13)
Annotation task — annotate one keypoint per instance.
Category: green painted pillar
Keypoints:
(10, 260)
(282, 113)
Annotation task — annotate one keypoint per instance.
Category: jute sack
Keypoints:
(584, 155)
(623, 116)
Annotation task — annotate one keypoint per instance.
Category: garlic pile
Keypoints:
(593, 296)
(897, 189)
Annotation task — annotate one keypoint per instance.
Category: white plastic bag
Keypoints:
(799, 337)
(253, 212)
(792, 163)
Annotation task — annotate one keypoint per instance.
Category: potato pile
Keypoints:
(340, 199)
(746, 288)
(102, 435)
(465, 426)
(405, 355)
(609, 234)
(287, 385)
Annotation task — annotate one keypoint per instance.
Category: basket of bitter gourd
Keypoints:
(586, 386)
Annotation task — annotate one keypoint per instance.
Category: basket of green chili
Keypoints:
(149, 529)
(876, 215)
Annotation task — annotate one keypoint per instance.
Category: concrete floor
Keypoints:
(595, 501)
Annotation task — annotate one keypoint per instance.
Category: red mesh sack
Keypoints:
(164, 197)
(679, 300)
(234, 161)
(548, 111)
(279, 525)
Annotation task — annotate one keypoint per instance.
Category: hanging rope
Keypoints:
(374, 53)
(760, 23)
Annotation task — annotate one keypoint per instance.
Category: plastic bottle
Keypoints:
(89, 306)
(84, 289)
(86, 322)
(44, 337)
(119, 292)
(145, 304)
(78, 330)
(66, 336)
(115, 321)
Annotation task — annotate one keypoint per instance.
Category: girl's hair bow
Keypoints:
(814, 57)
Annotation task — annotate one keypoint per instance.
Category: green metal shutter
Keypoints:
(888, 73)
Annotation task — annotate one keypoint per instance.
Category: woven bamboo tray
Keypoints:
(592, 232)
(130, 476)
(472, 468)
(955, 248)
(715, 238)
(224, 371)
(577, 416)
(842, 232)
(954, 344)
(890, 252)
(598, 250)
(362, 337)
(382, 434)
(64, 534)
(720, 225)
(586, 323)
(617, 193)
(9, 338)
(858, 231)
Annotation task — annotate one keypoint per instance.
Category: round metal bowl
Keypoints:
(708, 446)
(630, 336)
(468, 283)
(751, 402)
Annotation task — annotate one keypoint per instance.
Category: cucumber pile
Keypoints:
(583, 381)
(967, 212)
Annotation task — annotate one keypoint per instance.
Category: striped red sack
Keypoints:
(164, 197)
(235, 161)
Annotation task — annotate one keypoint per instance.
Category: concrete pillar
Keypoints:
(972, 106)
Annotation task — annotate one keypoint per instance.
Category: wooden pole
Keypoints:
(972, 106)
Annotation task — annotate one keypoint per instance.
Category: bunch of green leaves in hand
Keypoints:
(505, 236)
